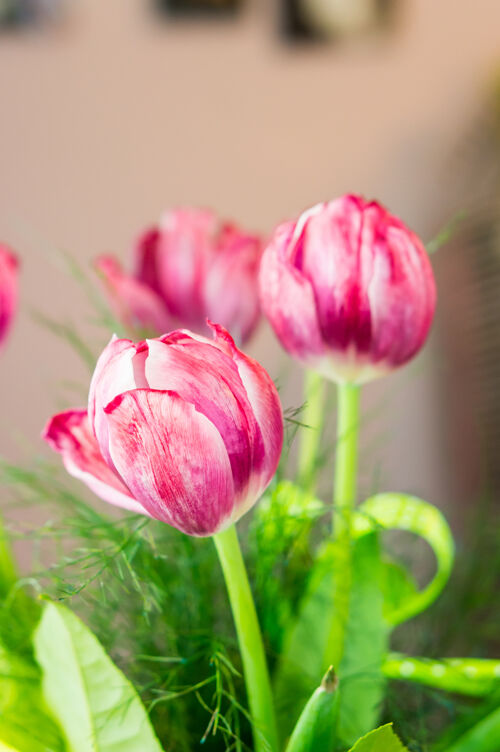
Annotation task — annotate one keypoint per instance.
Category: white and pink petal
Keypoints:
(70, 434)
(173, 460)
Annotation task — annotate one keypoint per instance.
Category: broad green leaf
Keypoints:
(309, 645)
(302, 662)
(391, 511)
(362, 683)
(483, 737)
(20, 699)
(8, 572)
(7, 748)
(382, 739)
(468, 676)
(39, 734)
(477, 730)
(15, 605)
(96, 706)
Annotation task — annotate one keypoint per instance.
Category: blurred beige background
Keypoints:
(113, 116)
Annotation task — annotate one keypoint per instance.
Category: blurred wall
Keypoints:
(112, 117)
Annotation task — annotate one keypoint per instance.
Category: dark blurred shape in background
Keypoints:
(18, 14)
(197, 7)
(334, 19)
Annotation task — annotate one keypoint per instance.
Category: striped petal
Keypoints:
(117, 370)
(288, 300)
(70, 434)
(266, 408)
(173, 459)
(208, 379)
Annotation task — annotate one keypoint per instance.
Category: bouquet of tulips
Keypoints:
(185, 433)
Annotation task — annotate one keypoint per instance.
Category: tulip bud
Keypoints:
(181, 428)
(8, 290)
(190, 268)
(348, 289)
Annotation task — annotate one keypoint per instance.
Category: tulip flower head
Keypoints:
(8, 290)
(189, 268)
(182, 428)
(348, 289)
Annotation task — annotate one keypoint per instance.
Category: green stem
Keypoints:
(344, 496)
(250, 641)
(346, 464)
(310, 435)
(476, 677)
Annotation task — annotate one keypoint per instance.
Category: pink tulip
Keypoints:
(182, 428)
(348, 289)
(8, 290)
(190, 268)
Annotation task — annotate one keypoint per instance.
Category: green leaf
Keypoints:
(362, 683)
(39, 735)
(8, 571)
(391, 511)
(474, 730)
(308, 645)
(302, 661)
(483, 737)
(382, 739)
(21, 698)
(96, 706)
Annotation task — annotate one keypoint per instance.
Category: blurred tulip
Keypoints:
(182, 428)
(348, 289)
(8, 290)
(188, 269)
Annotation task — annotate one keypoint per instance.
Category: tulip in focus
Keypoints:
(190, 268)
(348, 289)
(182, 428)
(8, 290)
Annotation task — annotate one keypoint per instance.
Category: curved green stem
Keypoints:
(250, 641)
(476, 677)
(310, 433)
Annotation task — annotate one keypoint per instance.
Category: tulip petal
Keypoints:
(331, 260)
(182, 257)
(133, 302)
(201, 374)
(401, 292)
(266, 407)
(173, 460)
(146, 259)
(69, 433)
(118, 370)
(288, 300)
(230, 287)
(8, 289)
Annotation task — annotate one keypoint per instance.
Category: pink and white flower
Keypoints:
(9, 266)
(348, 289)
(182, 428)
(189, 268)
